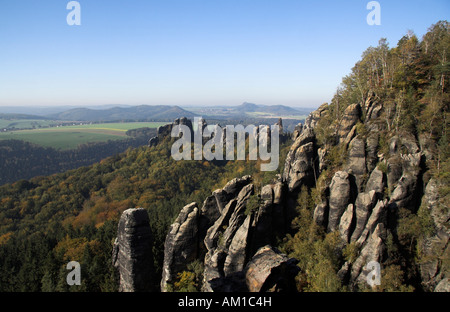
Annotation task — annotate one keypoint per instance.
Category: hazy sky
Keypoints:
(192, 52)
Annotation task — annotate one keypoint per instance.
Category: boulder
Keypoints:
(269, 270)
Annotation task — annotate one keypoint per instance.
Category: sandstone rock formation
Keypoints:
(132, 251)
(269, 270)
(233, 231)
(181, 246)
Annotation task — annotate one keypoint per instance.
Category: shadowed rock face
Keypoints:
(270, 270)
(132, 251)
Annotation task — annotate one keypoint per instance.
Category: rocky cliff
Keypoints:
(363, 197)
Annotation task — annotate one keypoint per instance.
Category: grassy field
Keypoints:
(25, 123)
(69, 137)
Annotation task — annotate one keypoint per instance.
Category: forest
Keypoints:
(45, 222)
(24, 160)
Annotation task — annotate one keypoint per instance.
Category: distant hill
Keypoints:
(11, 116)
(249, 110)
(269, 109)
(135, 113)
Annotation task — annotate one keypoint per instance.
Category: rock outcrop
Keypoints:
(349, 119)
(340, 197)
(181, 245)
(132, 251)
(300, 162)
(434, 270)
(234, 230)
(270, 270)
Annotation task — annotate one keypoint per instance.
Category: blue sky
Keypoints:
(192, 52)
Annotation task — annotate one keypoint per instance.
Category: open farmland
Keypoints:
(69, 137)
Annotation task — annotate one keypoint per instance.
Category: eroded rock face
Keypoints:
(356, 163)
(299, 165)
(132, 251)
(269, 270)
(340, 196)
(349, 119)
(181, 245)
(227, 240)
(314, 116)
(434, 272)
(196, 230)
(365, 192)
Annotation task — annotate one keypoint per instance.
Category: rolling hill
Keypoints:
(139, 113)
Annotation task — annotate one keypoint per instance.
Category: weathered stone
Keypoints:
(181, 245)
(339, 198)
(132, 251)
(433, 271)
(322, 153)
(227, 240)
(404, 193)
(378, 216)
(357, 160)
(214, 205)
(364, 204)
(372, 150)
(297, 131)
(300, 170)
(321, 214)
(299, 165)
(314, 116)
(269, 270)
(373, 250)
(443, 286)
(349, 119)
(237, 250)
(394, 171)
(345, 223)
(376, 182)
